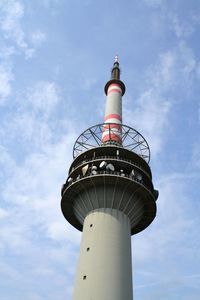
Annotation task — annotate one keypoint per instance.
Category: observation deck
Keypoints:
(110, 175)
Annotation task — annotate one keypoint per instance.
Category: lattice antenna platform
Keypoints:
(131, 140)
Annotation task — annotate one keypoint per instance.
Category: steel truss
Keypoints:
(131, 140)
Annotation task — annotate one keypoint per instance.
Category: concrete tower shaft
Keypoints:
(109, 195)
(104, 268)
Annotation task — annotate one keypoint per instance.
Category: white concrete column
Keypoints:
(104, 269)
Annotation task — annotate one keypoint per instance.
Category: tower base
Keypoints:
(104, 267)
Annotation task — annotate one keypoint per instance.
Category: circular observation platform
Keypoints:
(131, 140)
(109, 176)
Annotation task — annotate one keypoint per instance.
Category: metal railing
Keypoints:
(107, 157)
(104, 172)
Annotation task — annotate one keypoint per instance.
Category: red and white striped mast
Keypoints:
(114, 90)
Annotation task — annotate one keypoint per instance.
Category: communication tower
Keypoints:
(109, 195)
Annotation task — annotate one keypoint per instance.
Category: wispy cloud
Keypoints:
(31, 120)
(42, 97)
(183, 29)
(151, 114)
(11, 13)
(166, 83)
(32, 197)
(3, 213)
(6, 78)
(38, 129)
(154, 3)
(38, 37)
(167, 238)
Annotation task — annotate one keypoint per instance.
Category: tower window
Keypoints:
(91, 225)
(84, 277)
(88, 249)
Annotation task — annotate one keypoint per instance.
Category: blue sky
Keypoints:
(55, 57)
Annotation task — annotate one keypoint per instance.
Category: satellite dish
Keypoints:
(133, 172)
(94, 172)
(69, 179)
(110, 167)
(84, 169)
(139, 176)
(103, 164)
(94, 167)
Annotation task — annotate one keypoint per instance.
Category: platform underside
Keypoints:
(109, 191)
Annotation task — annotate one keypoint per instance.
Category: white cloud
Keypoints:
(170, 236)
(175, 70)
(28, 128)
(43, 97)
(151, 117)
(35, 188)
(88, 83)
(11, 13)
(196, 153)
(6, 51)
(154, 3)
(181, 29)
(33, 194)
(9, 272)
(188, 58)
(3, 213)
(31, 120)
(35, 238)
(59, 231)
(6, 77)
(198, 70)
(36, 224)
(34, 296)
(48, 3)
(7, 163)
(151, 113)
(14, 237)
(162, 75)
(38, 37)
